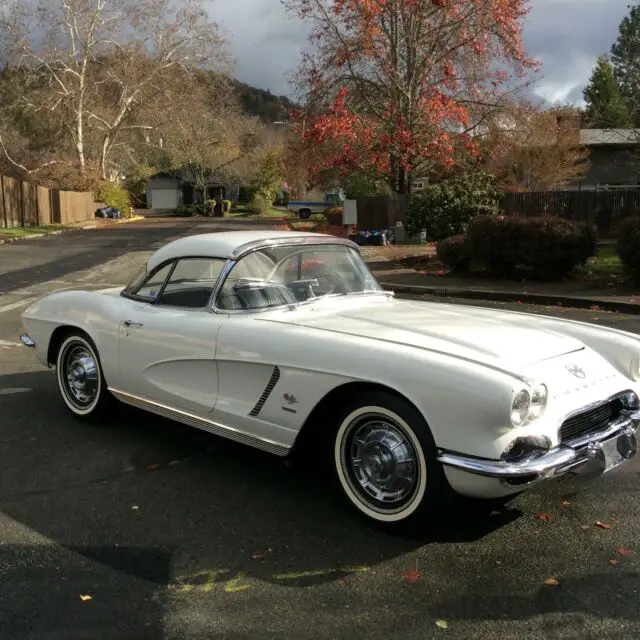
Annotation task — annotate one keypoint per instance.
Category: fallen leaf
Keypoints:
(411, 576)
(85, 598)
(625, 553)
(153, 466)
(544, 516)
(552, 582)
(442, 624)
(564, 503)
(584, 526)
(135, 508)
(258, 555)
(602, 525)
(614, 562)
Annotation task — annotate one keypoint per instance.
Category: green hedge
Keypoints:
(540, 248)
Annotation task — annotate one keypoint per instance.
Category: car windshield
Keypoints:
(277, 276)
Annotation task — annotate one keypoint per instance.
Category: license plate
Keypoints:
(617, 450)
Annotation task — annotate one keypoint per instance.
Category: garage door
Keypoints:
(164, 198)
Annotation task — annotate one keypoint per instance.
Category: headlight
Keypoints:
(520, 408)
(538, 401)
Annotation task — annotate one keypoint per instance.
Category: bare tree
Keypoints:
(529, 148)
(206, 135)
(93, 67)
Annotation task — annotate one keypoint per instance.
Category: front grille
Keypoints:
(591, 421)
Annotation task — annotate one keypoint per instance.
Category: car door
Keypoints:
(168, 334)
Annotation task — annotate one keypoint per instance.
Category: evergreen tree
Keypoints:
(625, 57)
(606, 108)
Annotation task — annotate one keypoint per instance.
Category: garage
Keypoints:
(163, 198)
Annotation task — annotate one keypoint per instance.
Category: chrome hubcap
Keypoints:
(381, 462)
(81, 373)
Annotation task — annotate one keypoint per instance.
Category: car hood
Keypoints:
(484, 335)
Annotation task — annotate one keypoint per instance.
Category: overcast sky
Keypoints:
(566, 35)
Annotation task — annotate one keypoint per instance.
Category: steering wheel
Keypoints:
(330, 275)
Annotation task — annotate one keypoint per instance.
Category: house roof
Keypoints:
(609, 136)
(231, 244)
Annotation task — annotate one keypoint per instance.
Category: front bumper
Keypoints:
(598, 454)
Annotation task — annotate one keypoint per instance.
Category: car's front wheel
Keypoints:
(80, 379)
(385, 459)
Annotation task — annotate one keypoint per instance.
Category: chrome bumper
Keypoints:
(27, 341)
(598, 454)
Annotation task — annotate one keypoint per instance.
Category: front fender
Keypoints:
(96, 314)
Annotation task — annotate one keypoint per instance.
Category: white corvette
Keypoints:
(262, 337)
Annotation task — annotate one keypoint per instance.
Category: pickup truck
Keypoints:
(304, 208)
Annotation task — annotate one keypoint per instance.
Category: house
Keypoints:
(168, 190)
(614, 158)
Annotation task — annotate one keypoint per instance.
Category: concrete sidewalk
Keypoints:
(385, 263)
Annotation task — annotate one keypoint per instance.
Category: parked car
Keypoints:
(265, 337)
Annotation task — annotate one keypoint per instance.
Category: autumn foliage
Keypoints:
(396, 86)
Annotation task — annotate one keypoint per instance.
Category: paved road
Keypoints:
(175, 534)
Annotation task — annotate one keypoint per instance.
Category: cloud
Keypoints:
(566, 35)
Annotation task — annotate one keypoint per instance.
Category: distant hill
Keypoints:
(263, 104)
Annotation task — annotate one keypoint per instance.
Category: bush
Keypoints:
(455, 252)
(334, 216)
(446, 208)
(114, 195)
(541, 248)
(226, 206)
(259, 205)
(628, 247)
(184, 211)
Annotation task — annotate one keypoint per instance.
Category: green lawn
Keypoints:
(21, 232)
(605, 262)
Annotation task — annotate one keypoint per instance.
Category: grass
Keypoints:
(21, 232)
(241, 211)
(605, 263)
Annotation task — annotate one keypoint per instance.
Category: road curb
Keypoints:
(505, 296)
(57, 232)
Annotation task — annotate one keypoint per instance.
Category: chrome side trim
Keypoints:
(273, 381)
(549, 464)
(216, 428)
(27, 341)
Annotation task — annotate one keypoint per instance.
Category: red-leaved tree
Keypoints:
(395, 87)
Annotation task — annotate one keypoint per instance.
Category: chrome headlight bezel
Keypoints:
(528, 405)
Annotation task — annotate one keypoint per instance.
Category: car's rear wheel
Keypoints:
(385, 459)
(304, 214)
(80, 379)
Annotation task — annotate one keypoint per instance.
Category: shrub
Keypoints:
(184, 211)
(259, 205)
(334, 216)
(541, 248)
(226, 206)
(628, 247)
(446, 208)
(114, 195)
(455, 252)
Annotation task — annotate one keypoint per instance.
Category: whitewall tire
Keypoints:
(385, 459)
(80, 380)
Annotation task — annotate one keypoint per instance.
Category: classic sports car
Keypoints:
(262, 337)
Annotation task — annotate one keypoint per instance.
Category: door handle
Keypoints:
(131, 323)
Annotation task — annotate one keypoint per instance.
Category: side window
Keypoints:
(191, 283)
(150, 289)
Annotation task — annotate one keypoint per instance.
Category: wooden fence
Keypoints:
(381, 212)
(24, 204)
(602, 208)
